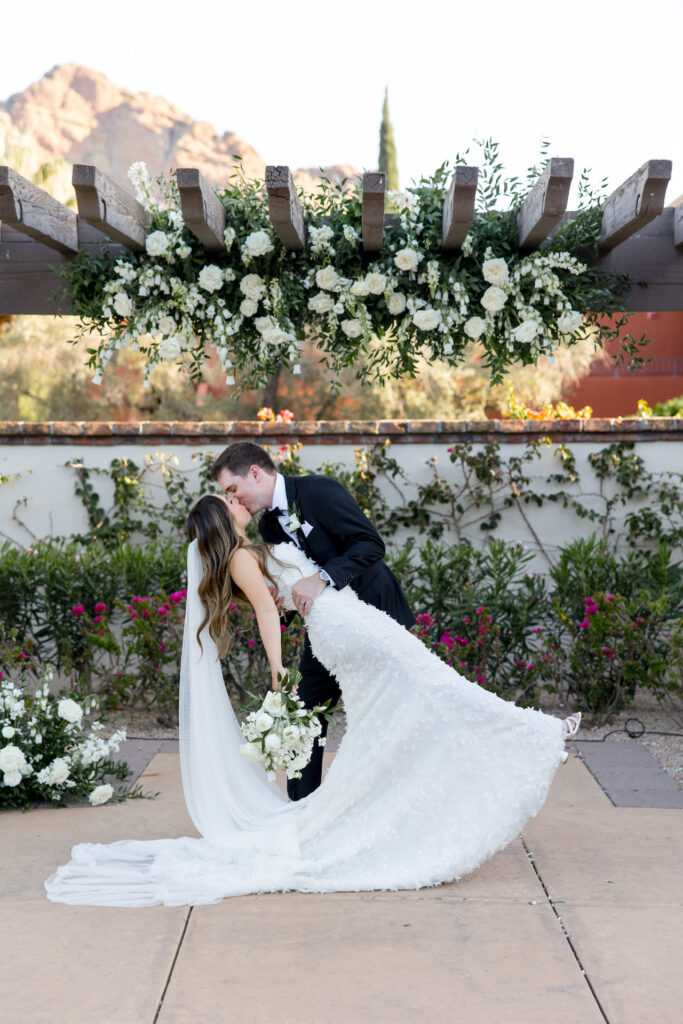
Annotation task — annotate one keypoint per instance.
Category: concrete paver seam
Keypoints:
(173, 963)
(564, 931)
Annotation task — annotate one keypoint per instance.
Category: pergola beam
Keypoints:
(634, 204)
(203, 212)
(458, 207)
(104, 205)
(286, 214)
(35, 213)
(545, 205)
(678, 226)
(372, 206)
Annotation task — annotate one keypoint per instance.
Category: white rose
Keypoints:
(569, 322)
(376, 283)
(495, 271)
(8, 731)
(273, 704)
(321, 303)
(169, 348)
(122, 304)
(406, 259)
(69, 710)
(156, 244)
(427, 319)
(327, 278)
(475, 327)
(272, 741)
(397, 303)
(248, 307)
(258, 243)
(252, 286)
(211, 278)
(263, 721)
(12, 778)
(360, 288)
(167, 325)
(352, 328)
(275, 336)
(252, 751)
(101, 794)
(526, 331)
(493, 299)
(264, 323)
(12, 759)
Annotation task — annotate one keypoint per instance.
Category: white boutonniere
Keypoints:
(296, 523)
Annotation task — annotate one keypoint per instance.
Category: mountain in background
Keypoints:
(76, 115)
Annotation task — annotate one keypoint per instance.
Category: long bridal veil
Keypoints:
(225, 793)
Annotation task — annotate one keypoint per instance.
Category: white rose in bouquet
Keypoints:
(157, 243)
(273, 704)
(167, 325)
(252, 751)
(376, 283)
(170, 348)
(427, 319)
(252, 286)
(101, 794)
(258, 243)
(122, 304)
(407, 259)
(569, 322)
(321, 303)
(327, 278)
(263, 721)
(360, 288)
(475, 327)
(526, 331)
(248, 307)
(495, 271)
(396, 303)
(352, 328)
(272, 742)
(12, 760)
(493, 299)
(211, 278)
(69, 710)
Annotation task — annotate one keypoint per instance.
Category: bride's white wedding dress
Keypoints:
(433, 775)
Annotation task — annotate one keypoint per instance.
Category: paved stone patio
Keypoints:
(578, 920)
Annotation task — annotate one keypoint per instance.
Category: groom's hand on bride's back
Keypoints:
(279, 601)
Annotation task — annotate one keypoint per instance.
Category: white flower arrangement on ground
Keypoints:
(46, 753)
(256, 301)
(282, 732)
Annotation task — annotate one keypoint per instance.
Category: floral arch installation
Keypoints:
(40, 238)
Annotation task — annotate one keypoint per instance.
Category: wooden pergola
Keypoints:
(38, 234)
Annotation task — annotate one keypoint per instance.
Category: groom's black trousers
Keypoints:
(316, 687)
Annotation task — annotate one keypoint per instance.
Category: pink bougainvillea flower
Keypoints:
(162, 610)
(480, 679)
(251, 643)
(465, 619)
(133, 615)
(480, 609)
(425, 619)
(78, 609)
(162, 645)
(145, 613)
(98, 618)
(101, 632)
(609, 597)
(446, 639)
(585, 624)
(100, 608)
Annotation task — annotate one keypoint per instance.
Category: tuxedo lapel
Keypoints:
(293, 502)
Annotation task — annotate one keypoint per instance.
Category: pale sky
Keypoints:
(303, 82)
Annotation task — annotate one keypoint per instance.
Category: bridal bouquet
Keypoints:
(281, 732)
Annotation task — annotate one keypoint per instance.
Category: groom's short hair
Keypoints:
(238, 457)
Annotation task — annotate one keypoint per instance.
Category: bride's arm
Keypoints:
(247, 574)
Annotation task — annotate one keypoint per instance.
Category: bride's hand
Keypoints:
(276, 683)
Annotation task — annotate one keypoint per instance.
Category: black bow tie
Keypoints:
(272, 515)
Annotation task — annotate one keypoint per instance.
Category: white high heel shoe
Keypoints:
(571, 726)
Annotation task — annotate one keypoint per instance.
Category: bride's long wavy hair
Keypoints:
(210, 523)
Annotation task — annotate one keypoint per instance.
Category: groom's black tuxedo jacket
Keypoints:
(343, 542)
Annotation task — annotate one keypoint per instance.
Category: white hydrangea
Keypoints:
(55, 774)
(258, 243)
(321, 303)
(569, 322)
(376, 283)
(167, 325)
(327, 278)
(100, 795)
(496, 271)
(170, 348)
(396, 303)
(493, 299)
(248, 307)
(350, 234)
(407, 259)
(211, 278)
(352, 328)
(252, 286)
(157, 243)
(69, 710)
(427, 319)
(526, 331)
(475, 327)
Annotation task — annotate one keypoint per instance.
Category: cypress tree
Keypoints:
(387, 148)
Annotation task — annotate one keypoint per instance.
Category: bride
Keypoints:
(433, 776)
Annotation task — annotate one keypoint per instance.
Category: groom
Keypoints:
(318, 515)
